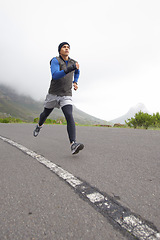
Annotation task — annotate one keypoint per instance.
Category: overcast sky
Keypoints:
(116, 42)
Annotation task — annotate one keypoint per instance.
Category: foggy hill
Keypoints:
(131, 113)
(25, 108)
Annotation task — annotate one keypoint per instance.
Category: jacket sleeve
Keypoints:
(55, 70)
(76, 75)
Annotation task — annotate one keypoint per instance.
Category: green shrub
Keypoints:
(5, 120)
(36, 120)
(10, 120)
(144, 120)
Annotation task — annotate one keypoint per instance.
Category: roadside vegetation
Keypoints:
(140, 121)
(53, 121)
(10, 120)
(144, 120)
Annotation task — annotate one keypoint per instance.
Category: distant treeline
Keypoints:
(52, 121)
(10, 120)
(140, 120)
(17, 120)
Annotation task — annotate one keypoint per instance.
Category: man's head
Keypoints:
(61, 45)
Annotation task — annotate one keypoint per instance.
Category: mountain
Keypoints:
(131, 113)
(18, 106)
(25, 108)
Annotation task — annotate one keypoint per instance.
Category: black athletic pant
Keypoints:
(67, 111)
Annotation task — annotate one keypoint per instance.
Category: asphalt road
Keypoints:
(36, 204)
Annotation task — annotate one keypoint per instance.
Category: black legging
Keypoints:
(67, 111)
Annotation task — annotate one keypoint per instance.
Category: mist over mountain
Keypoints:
(132, 111)
(24, 107)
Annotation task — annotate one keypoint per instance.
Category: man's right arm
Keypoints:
(55, 70)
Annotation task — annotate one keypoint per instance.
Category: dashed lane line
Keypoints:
(131, 224)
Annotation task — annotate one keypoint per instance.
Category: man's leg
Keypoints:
(71, 129)
(42, 119)
(44, 115)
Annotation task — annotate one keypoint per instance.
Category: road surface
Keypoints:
(117, 197)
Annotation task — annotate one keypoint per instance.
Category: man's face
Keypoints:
(65, 50)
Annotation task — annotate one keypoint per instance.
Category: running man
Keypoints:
(65, 72)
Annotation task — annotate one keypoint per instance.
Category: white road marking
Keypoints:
(133, 224)
(95, 197)
(68, 177)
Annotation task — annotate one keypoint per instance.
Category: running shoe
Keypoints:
(36, 131)
(76, 147)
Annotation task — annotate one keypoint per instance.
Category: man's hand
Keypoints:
(77, 65)
(75, 86)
